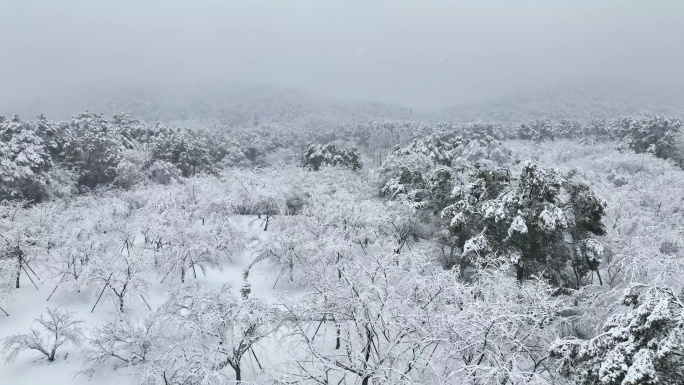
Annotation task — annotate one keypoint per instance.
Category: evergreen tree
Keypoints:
(24, 161)
(329, 154)
(642, 346)
(540, 222)
(93, 148)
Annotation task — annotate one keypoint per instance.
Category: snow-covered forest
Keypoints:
(388, 252)
(255, 234)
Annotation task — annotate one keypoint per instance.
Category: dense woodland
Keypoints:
(394, 251)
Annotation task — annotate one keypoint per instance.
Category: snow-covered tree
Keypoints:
(424, 173)
(317, 155)
(652, 134)
(56, 329)
(540, 221)
(118, 268)
(187, 241)
(368, 325)
(132, 130)
(644, 345)
(182, 149)
(122, 342)
(599, 129)
(22, 238)
(164, 172)
(537, 130)
(24, 161)
(212, 331)
(7, 270)
(499, 331)
(128, 174)
(415, 180)
(92, 147)
(296, 243)
(567, 129)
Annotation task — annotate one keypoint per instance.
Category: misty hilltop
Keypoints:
(232, 104)
(241, 104)
(578, 101)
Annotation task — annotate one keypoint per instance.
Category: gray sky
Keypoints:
(424, 54)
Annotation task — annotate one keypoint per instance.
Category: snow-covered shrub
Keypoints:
(56, 329)
(121, 276)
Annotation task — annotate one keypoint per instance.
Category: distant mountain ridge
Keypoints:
(235, 104)
(231, 104)
(579, 101)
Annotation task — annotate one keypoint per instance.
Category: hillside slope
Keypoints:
(578, 101)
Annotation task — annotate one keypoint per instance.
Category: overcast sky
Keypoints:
(424, 54)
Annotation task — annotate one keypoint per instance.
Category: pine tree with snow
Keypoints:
(541, 222)
(653, 134)
(316, 156)
(93, 148)
(24, 161)
(537, 130)
(643, 345)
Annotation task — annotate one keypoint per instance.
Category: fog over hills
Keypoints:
(218, 103)
(236, 104)
(572, 100)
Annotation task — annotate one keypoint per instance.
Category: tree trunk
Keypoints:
(121, 303)
(520, 273)
(462, 266)
(19, 270)
(599, 277)
(238, 373)
(182, 274)
(365, 381)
